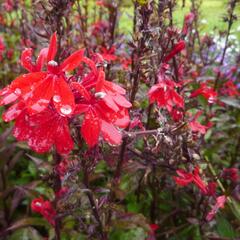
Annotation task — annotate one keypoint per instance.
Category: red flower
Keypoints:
(176, 49)
(176, 114)
(187, 22)
(37, 88)
(165, 95)
(43, 130)
(230, 173)
(220, 202)
(186, 178)
(206, 92)
(45, 208)
(229, 89)
(198, 127)
(108, 54)
(151, 233)
(126, 62)
(104, 109)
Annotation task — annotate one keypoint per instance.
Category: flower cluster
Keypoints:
(48, 98)
(45, 208)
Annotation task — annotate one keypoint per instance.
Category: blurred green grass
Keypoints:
(212, 12)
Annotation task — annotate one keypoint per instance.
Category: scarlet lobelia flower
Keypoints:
(43, 130)
(104, 107)
(164, 93)
(206, 91)
(197, 126)
(220, 202)
(45, 208)
(37, 88)
(186, 178)
(108, 54)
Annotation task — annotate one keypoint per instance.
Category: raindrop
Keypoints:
(52, 63)
(66, 109)
(17, 91)
(100, 94)
(56, 98)
(38, 204)
(211, 100)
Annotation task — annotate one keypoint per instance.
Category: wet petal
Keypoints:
(13, 112)
(26, 59)
(81, 89)
(63, 139)
(90, 128)
(100, 81)
(72, 61)
(41, 59)
(114, 87)
(26, 81)
(110, 103)
(21, 129)
(121, 101)
(122, 119)
(110, 133)
(63, 98)
(81, 108)
(52, 50)
(41, 96)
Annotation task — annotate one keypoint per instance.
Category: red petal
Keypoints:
(121, 101)
(81, 89)
(63, 97)
(41, 96)
(13, 112)
(42, 57)
(108, 100)
(90, 128)
(177, 49)
(26, 81)
(81, 108)
(8, 98)
(100, 81)
(42, 138)
(26, 59)
(52, 50)
(123, 119)
(110, 133)
(72, 61)
(114, 87)
(182, 181)
(63, 139)
(21, 129)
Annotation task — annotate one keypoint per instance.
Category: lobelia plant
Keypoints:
(124, 126)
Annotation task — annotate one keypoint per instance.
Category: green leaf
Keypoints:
(27, 222)
(224, 228)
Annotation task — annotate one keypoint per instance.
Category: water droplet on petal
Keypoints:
(52, 63)
(211, 100)
(38, 204)
(66, 109)
(56, 98)
(18, 91)
(100, 94)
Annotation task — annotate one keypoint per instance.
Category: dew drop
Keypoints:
(56, 98)
(52, 63)
(211, 100)
(100, 94)
(38, 204)
(17, 91)
(66, 109)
